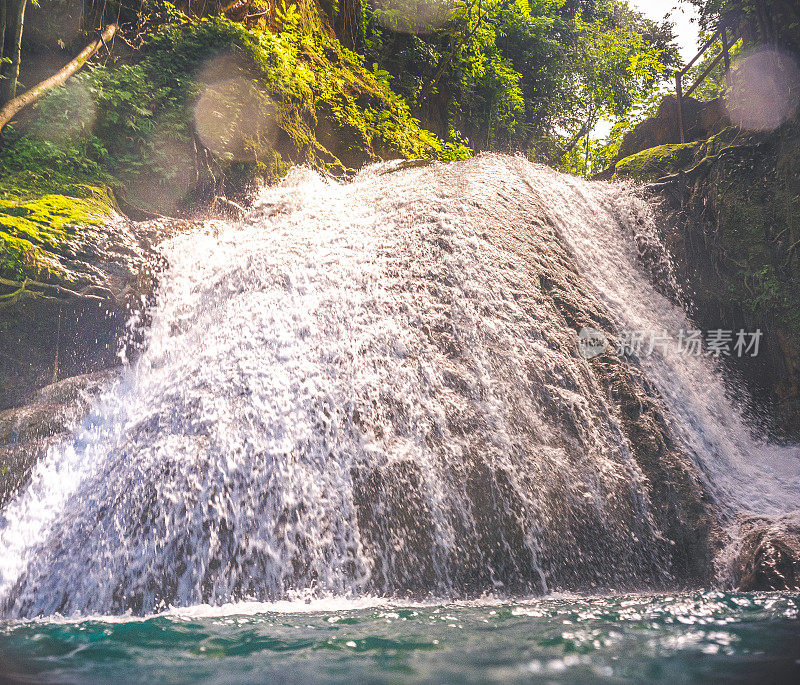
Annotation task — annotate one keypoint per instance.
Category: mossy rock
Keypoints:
(752, 188)
(657, 162)
(736, 211)
(36, 234)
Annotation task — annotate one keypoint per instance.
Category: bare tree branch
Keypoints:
(30, 96)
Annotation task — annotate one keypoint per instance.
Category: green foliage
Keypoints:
(131, 127)
(615, 67)
(530, 75)
(767, 21)
(291, 96)
(49, 164)
(309, 76)
(288, 17)
(605, 152)
(47, 192)
(522, 75)
(462, 70)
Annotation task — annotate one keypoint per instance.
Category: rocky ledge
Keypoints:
(27, 432)
(733, 227)
(769, 555)
(68, 290)
(73, 274)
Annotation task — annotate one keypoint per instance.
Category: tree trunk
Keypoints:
(15, 49)
(585, 128)
(3, 17)
(348, 23)
(32, 95)
(327, 7)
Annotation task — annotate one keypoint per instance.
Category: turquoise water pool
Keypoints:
(670, 638)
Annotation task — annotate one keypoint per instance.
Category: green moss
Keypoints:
(50, 219)
(48, 195)
(753, 191)
(657, 162)
(33, 233)
(19, 259)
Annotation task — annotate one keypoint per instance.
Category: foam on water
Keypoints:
(684, 637)
(360, 390)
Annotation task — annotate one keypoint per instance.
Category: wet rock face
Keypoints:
(60, 338)
(464, 446)
(27, 432)
(731, 224)
(73, 321)
(683, 506)
(769, 558)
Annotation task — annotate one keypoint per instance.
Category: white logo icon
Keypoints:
(591, 343)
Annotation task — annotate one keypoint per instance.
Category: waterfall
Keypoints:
(375, 388)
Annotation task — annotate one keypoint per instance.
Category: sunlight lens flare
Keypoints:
(169, 189)
(235, 120)
(764, 90)
(413, 16)
(71, 115)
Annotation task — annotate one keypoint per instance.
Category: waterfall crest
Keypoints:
(375, 388)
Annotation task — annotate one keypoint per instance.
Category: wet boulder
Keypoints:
(27, 432)
(72, 274)
(769, 557)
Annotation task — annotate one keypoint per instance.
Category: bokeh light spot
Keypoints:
(165, 191)
(69, 114)
(413, 16)
(233, 117)
(764, 89)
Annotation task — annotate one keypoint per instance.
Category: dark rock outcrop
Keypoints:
(27, 432)
(700, 121)
(60, 338)
(73, 321)
(733, 227)
(731, 224)
(769, 556)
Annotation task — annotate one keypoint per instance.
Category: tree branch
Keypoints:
(445, 63)
(30, 96)
(584, 129)
(15, 48)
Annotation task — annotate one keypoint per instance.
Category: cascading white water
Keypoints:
(366, 388)
(745, 472)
